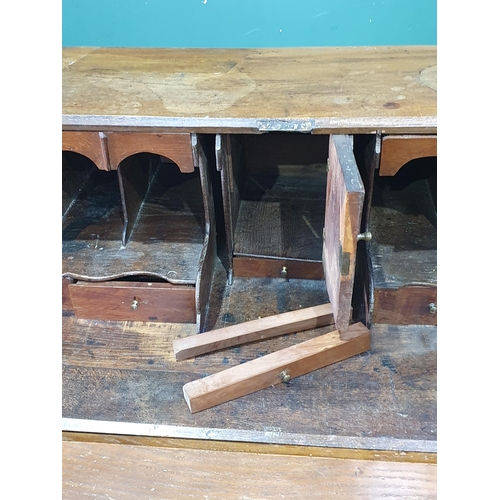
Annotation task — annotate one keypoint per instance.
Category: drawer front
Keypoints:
(408, 305)
(176, 147)
(129, 301)
(253, 267)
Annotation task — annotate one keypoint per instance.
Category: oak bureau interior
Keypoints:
(203, 188)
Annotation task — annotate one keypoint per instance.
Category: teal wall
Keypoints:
(249, 23)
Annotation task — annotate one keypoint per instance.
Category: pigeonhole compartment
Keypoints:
(403, 249)
(135, 240)
(274, 192)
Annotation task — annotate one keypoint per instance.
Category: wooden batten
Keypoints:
(275, 368)
(259, 329)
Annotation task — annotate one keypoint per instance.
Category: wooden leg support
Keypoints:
(276, 367)
(259, 329)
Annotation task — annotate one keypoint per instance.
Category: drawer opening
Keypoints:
(403, 250)
(144, 220)
(274, 192)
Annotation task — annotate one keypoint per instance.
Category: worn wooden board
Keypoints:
(271, 369)
(281, 214)
(323, 89)
(250, 331)
(165, 241)
(343, 208)
(125, 373)
(102, 470)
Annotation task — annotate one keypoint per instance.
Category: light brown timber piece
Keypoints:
(259, 329)
(266, 371)
(103, 470)
(176, 147)
(318, 89)
(398, 150)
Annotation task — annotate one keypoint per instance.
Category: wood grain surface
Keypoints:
(104, 471)
(324, 90)
(268, 370)
(125, 373)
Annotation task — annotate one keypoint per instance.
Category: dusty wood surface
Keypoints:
(403, 221)
(125, 372)
(270, 370)
(344, 204)
(325, 90)
(250, 331)
(397, 150)
(103, 471)
(165, 241)
(282, 214)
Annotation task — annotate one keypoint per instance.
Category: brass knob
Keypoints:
(284, 272)
(134, 305)
(433, 308)
(285, 376)
(367, 236)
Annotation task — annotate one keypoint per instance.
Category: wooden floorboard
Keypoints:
(104, 471)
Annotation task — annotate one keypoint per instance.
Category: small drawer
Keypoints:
(408, 305)
(249, 267)
(133, 301)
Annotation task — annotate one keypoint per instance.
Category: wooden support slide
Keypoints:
(259, 329)
(275, 368)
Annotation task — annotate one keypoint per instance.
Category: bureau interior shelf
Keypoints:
(163, 241)
(403, 221)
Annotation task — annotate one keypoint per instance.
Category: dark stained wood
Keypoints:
(250, 331)
(268, 370)
(250, 267)
(325, 90)
(281, 215)
(176, 147)
(76, 170)
(206, 266)
(384, 399)
(90, 144)
(135, 175)
(344, 203)
(397, 150)
(102, 470)
(113, 301)
(407, 305)
(166, 241)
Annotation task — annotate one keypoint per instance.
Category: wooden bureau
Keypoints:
(204, 188)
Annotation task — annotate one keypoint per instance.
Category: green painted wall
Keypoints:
(250, 23)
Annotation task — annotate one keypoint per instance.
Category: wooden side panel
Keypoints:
(259, 329)
(176, 147)
(344, 203)
(134, 176)
(251, 267)
(269, 370)
(408, 305)
(113, 301)
(206, 267)
(397, 150)
(93, 145)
